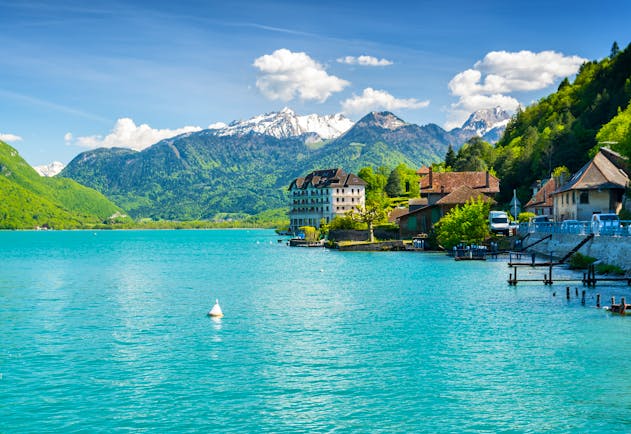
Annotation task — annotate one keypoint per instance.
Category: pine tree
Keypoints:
(450, 157)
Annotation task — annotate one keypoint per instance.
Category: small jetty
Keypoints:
(469, 253)
(216, 312)
(589, 278)
(301, 242)
(622, 308)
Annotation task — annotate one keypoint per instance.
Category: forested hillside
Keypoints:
(28, 200)
(562, 129)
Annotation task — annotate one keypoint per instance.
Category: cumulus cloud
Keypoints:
(364, 61)
(126, 134)
(491, 80)
(6, 137)
(374, 100)
(286, 75)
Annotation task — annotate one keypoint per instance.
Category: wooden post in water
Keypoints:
(583, 298)
(584, 279)
(623, 305)
(576, 291)
(567, 292)
(613, 301)
(598, 301)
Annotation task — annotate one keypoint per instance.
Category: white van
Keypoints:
(498, 222)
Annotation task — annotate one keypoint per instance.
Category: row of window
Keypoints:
(306, 201)
(583, 198)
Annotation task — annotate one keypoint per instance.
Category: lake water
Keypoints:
(108, 331)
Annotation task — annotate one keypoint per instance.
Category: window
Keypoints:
(573, 197)
(584, 197)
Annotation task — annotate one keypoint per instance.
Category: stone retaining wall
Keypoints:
(609, 249)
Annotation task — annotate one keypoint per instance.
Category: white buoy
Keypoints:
(216, 312)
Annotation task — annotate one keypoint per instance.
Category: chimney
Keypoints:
(488, 179)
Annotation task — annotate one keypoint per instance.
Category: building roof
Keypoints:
(604, 171)
(327, 178)
(461, 195)
(395, 213)
(417, 201)
(423, 171)
(446, 182)
(543, 197)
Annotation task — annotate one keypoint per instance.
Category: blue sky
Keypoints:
(70, 70)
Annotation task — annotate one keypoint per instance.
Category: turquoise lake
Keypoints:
(107, 331)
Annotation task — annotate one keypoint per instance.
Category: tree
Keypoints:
(467, 223)
(615, 50)
(375, 181)
(475, 155)
(372, 213)
(450, 157)
(403, 181)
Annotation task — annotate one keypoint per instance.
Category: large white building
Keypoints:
(323, 194)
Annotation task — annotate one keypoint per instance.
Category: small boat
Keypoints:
(216, 312)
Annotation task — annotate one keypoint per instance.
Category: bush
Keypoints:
(609, 269)
(578, 261)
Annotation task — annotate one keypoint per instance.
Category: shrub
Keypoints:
(609, 269)
(578, 261)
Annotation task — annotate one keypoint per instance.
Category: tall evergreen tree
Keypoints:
(450, 157)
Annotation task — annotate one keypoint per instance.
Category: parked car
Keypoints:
(498, 222)
(540, 223)
(605, 224)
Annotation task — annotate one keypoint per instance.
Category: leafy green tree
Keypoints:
(524, 217)
(467, 223)
(617, 133)
(369, 215)
(376, 181)
(311, 233)
(475, 155)
(403, 181)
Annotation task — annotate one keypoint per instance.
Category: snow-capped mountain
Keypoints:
(287, 123)
(51, 169)
(485, 120)
(486, 123)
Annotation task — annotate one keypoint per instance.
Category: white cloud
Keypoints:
(10, 137)
(126, 134)
(491, 80)
(364, 61)
(68, 137)
(374, 100)
(286, 75)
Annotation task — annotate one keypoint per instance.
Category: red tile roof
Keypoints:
(446, 182)
(461, 195)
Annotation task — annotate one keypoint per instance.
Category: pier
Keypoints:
(589, 278)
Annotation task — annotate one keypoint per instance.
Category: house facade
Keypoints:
(598, 187)
(323, 194)
(442, 191)
(542, 202)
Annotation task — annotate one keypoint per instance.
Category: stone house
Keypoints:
(598, 187)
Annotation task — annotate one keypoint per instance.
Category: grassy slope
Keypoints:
(28, 200)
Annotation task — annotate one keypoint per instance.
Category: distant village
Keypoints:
(597, 189)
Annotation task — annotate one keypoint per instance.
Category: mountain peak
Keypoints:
(484, 120)
(51, 169)
(286, 123)
(385, 120)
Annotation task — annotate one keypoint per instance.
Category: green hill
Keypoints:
(28, 200)
(562, 128)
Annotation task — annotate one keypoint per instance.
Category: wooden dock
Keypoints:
(589, 278)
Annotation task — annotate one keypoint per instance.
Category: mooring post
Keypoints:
(576, 291)
(567, 292)
(584, 278)
(550, 271)
(598, 301)
(515, 274)
(583, 297)
(613, 301)
(623, 305)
